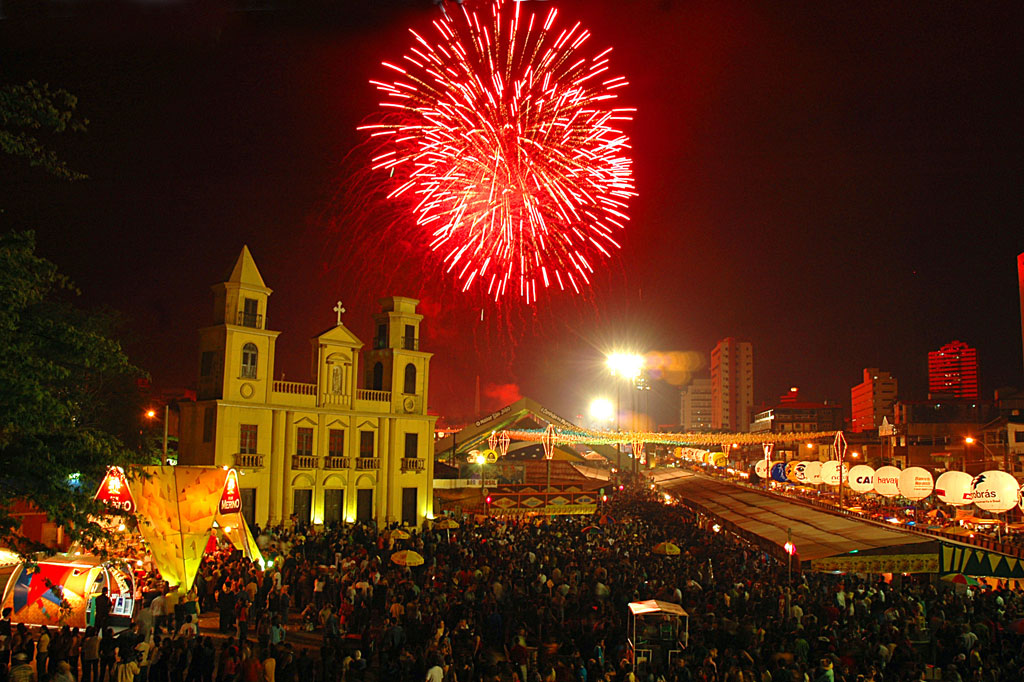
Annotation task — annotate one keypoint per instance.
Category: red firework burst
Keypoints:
(505, 140)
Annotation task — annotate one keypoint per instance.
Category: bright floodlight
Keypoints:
(625, 365)
(480, 459)
(969, 440)
(602, 409)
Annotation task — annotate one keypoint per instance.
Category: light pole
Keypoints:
(627, 366)
(790, 548)
(480, 459)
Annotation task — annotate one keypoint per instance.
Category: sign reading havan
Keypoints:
(114, 491)
(230, 499)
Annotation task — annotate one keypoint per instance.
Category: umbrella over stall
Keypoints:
(407, 557)
(666, 549)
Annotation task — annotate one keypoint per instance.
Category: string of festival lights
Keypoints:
(582, 436)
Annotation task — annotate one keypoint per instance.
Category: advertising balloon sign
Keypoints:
(779, 472)
(995, 491)
(887, 481)
(862, 479)
(812, 473)
(830, 472)
(954, 487)
(791, 471)
(800, 472)
(916, 483)
(761, 468)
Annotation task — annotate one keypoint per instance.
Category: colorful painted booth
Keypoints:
(62, 590)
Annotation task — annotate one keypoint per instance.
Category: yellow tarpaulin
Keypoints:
(237, 532)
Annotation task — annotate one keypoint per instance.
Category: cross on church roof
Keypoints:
(339, 309)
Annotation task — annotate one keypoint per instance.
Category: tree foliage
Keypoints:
(26, 111)
(66, 396)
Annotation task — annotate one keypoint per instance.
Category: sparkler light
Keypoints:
(505, 140)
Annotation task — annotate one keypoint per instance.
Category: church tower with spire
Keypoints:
(329, 450)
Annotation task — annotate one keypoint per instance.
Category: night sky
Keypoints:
(839, 183)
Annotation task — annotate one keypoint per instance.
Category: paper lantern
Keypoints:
(916, 483)
(887, 481)
(830, 472)
(761, 468)
(995, 491)
(954, 487)
(812, 473)
(862, 478)
(779, 472)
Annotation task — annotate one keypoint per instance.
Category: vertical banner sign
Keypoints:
(767, 447)
(503, 441)
(839, 445)
(638, 450)
(114, 491)
(548, 441)
(230, 499)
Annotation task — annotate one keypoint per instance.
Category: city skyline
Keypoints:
(799, 188)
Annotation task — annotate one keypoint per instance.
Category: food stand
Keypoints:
(62, 590)
(656, 633)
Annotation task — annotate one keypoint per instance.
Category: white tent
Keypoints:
(664, 631)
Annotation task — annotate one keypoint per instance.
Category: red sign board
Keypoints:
(231, 499)
(114, 491)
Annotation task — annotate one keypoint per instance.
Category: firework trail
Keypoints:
(504, 142)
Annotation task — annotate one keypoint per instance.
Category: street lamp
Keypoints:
(151, 414)
(601, 410)
(968, 442)
(627, 366)
(790, 550)
(481, 459)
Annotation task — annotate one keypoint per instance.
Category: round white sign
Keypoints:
(761, 468)
(830, 472)
(954, 487)
(996, 491)
(887, 481)
(812, 473)
(916, 483)
(862, 479)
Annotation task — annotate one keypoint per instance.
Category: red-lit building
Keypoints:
(732, 385)
(953, 371)
(872, 400)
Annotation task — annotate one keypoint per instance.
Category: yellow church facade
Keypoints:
(355, 443)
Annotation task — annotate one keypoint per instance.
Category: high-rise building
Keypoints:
(695, 411)
(872, 400)
(732, 385)
(1020, 284)
(953, 371)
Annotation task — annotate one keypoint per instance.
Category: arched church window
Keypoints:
(250, 355)
(410, 378)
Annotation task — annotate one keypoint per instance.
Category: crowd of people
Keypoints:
(514, 600)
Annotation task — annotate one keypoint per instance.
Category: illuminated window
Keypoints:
(366, 444)
(247, 439)
(410, 378)
(304, 441)
(336, 443)
(249, 357)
